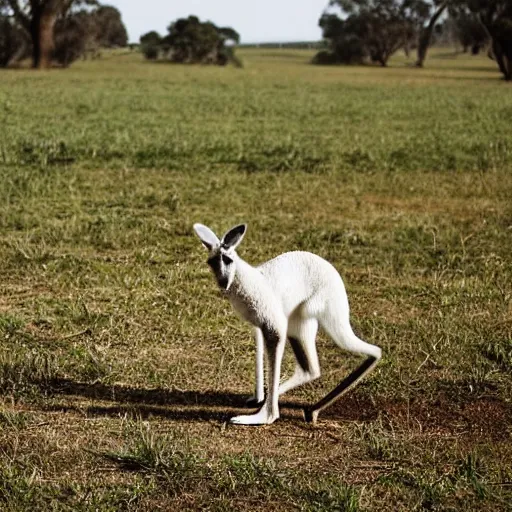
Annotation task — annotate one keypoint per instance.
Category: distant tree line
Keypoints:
(373, 30)
(57, 31)
(191, 41)
(295, 45)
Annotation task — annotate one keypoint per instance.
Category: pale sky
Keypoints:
(255, 20)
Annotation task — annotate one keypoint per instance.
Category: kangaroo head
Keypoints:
(222, 255)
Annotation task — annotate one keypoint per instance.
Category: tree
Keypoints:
(38, 19)
(110, 30)
(344, 43)
(372, 29)
(62, 30)
(152, 37)
(425, 38)
(150, 44)
(496, 17)
(192, 41)
(478, 20)
(470, 32)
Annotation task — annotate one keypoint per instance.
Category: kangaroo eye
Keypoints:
(226, 260)
(214, 261)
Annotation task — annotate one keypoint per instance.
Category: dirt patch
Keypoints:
(484, 416)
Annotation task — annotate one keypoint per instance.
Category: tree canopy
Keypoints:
(60, 30)
(477, 21)
(108, 28)
(191, 41)
(370, 29)
(374, 29)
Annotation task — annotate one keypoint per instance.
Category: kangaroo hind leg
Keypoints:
(302, 338)
(342, 334)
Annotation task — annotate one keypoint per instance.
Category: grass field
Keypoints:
(119, 361)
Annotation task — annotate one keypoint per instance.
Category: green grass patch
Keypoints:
(400, 177)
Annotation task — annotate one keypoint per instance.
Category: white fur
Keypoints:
(289, 296)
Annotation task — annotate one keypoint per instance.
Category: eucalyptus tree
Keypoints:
(190, 41)
(436, 9)
(371, 28)
(496, 17)
(487, 19)
(38, 18)
(468, 31)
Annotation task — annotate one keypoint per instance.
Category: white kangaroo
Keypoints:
(287, 297)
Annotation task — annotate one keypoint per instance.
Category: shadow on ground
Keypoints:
(448, 411)
(174, 404)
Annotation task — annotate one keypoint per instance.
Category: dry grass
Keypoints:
(119, 363)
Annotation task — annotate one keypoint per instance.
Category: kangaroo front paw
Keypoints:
(260, 418)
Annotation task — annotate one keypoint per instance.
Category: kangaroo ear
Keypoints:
(207, 236)
(234, 236)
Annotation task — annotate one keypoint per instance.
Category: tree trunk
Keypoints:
(40, 24)
(426, 35)
(42, 39)
(503, 59)
(34, 35)
(501, 45)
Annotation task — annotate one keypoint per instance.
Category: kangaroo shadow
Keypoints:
(145, 411)
(191, 405)
(155, 396)
(174, 404)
